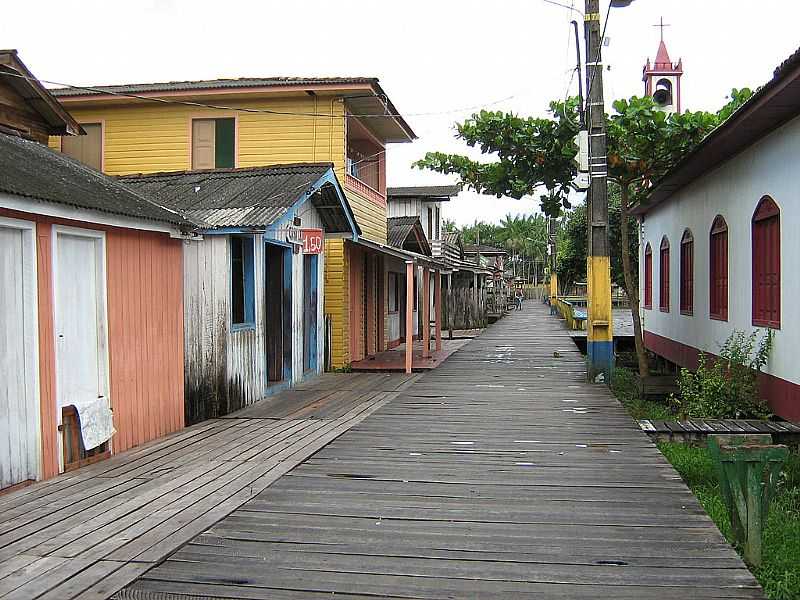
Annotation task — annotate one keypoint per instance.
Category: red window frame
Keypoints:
(648, 277)
(687, 273)
(663, 276)
(718, 269)
(766, 244)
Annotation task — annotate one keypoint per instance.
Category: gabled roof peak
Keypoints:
(662, 56)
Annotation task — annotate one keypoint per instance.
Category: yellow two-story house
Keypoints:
(238, 123)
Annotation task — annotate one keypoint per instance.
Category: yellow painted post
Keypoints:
(600, 341)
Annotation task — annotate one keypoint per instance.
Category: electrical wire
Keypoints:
(570, 8)
(385, 115)
(597, 57)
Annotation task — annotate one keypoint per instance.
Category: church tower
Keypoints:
(662, 79)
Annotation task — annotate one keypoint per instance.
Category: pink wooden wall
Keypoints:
(145, 334)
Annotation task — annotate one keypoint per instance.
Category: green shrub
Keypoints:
(727, 387)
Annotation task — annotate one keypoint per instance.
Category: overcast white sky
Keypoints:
(432, 56)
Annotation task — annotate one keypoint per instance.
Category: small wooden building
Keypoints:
(254, 286)
(91, 305)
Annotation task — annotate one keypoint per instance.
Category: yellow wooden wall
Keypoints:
(148, 138)
(337, 300)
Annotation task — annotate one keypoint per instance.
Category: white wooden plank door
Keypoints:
(19, 395)
(80, 316)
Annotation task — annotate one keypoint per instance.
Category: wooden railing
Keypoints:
(363, 190)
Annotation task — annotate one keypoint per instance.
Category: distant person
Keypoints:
(518, 298)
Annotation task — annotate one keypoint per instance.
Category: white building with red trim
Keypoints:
(718, 244)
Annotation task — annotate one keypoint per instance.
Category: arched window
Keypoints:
(718, 269)
(663, 280)
(767, 264)
(687, 273)
(648, 276)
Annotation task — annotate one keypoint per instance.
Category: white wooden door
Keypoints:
(80, 317)
(19, 397)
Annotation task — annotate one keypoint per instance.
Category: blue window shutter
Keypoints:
(249, 282)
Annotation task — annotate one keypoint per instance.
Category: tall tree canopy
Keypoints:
(534, 154)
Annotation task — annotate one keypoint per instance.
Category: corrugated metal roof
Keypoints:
(484, 249)
(388, 123)
(399, 228)
(424, 191)
(33, 170)
(248, 197)
(407, 233)
(206, 84)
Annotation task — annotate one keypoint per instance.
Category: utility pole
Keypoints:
(600, 322)
(551, 249)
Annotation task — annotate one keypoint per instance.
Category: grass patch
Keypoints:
(625, 386)
(779, 574)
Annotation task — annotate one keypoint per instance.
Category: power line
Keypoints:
(597, 57)
(568, 7)
(245, 109)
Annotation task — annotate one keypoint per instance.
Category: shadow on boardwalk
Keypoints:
(501, 474)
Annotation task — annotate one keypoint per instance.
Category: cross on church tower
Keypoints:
(661, 24)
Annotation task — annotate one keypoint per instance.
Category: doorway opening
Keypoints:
(310, 300)
(277, 303)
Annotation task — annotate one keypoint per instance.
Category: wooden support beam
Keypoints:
(409, 315)
(426, 312)
(437, 307)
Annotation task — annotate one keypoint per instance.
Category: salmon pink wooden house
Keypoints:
(91, 304)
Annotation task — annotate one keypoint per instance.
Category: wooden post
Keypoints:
(409, 315)
(426, 312)
(450, 306)
(748, 467)
(437, 307)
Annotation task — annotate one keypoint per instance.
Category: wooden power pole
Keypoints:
(600, 346)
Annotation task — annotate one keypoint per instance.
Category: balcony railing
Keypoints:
(364, 190)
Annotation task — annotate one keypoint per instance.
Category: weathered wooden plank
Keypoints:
(502, 473)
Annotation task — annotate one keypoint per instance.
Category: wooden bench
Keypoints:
(696, 430)
(658, 386)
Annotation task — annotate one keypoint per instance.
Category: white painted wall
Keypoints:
(213, 350)
(732, 190)
(413, 207)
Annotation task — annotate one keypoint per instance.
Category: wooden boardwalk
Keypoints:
(88, 533)
(501, 474)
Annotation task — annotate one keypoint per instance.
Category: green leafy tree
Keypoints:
(644, 143)
(531, 154)
(534, 154)
(572, 243)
